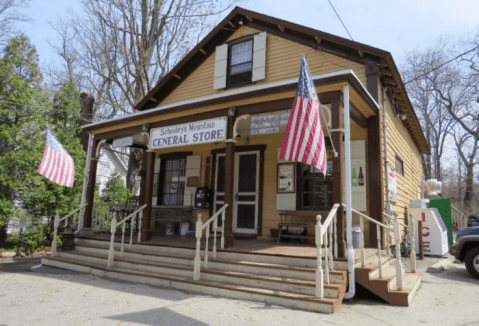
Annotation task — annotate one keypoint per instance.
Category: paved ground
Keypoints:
(52, 296)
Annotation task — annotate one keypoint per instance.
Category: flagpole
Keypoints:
(347, 176)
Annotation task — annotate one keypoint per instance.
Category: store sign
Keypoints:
(201, 132)
(122, 142)
(268, 123)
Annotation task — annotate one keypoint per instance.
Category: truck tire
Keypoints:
(472, 262)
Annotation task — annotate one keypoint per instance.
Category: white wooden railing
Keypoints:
(324, 235)
(459, 218)
(56, 223)
(200, 226)
(412, 229)
(114, 225)
(102, 215)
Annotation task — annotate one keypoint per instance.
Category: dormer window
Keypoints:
(240, 62)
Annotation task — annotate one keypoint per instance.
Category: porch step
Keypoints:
(291, 292)
(386, 286)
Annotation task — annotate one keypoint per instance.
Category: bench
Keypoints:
(171, 214)
(297, 223)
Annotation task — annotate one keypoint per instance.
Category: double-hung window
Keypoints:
(241, 63)
(315, 190)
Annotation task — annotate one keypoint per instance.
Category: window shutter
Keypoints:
(221, 61)
(259, 57)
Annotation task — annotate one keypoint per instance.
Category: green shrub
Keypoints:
(115, 191)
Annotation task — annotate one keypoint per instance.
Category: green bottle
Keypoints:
(354, 178)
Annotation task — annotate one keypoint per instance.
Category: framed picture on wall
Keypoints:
(155, 185)
(286, 177)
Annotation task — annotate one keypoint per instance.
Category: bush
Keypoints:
(115, 191)
(33, 238)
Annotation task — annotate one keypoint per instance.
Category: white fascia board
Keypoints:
(244, 91)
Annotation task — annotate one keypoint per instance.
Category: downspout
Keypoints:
(387, 207)
(349, 221)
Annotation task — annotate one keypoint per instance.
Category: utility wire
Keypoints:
(340, 20)
(442, 65)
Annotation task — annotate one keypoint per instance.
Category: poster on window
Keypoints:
(286, 173)
(173, 188)
(392, 185)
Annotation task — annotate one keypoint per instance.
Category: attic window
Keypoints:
(241, 63)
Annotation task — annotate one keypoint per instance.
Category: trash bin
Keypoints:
(356, 237)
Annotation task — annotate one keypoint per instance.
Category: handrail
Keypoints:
(56, 223)
(200, 226)
(102, 214)
(396, 228)
(322, 231)
(114, 225)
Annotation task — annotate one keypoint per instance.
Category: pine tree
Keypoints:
(24, 108)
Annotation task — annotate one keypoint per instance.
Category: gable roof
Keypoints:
(375, 58)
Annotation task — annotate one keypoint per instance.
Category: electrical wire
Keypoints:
(341, 20)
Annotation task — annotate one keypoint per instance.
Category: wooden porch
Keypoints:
(294, 248)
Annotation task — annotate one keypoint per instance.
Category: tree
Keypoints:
(9, 15)
(115, 191)
(24, 108)
(48, 197)
(122, 49)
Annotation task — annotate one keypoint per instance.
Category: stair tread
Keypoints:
(372, 262)
(283, 294)
(409, 282)
(388, 272)
(217, 260)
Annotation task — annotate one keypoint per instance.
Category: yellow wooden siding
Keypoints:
(401, 144)
(282, 63)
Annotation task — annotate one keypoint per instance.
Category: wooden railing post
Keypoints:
(412, 233)
(56, 223)
(132, 227)
(197, 262)
(380, 265)
(123, 230)
(223, 229)
(399, 282)
(335, 227)
(215, 227)
(319, 268)
(111, 252)
(388, 237)
(326, 254)
(330, 247)
(140, 224)
(361, 226)
(207, 235)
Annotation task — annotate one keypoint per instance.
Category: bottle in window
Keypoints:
(354, 178)
(361, 177)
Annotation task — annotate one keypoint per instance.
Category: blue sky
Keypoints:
(397, 26)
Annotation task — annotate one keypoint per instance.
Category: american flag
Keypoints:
(57, 165)
(304, 138)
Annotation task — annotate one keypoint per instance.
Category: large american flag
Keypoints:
(304, 138)
(57, 165)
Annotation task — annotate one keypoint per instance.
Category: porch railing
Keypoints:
(56, 223)
(412, 229)
(102, 215)
(114, 225)
(200, 226)
(324, 235)
(459, 218)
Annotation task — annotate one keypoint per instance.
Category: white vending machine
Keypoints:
(434, 231)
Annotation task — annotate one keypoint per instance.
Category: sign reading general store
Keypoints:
(201, 132)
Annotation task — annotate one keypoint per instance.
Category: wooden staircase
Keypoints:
(385, 287)
(282, 280)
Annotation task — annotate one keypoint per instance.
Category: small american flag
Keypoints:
(304, 139)
(57, 165)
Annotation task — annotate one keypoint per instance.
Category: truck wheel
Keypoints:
(472, 262)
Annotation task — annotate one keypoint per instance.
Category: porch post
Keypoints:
(91, 186)
(229, 180)
(147, 195)
(337, 137)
